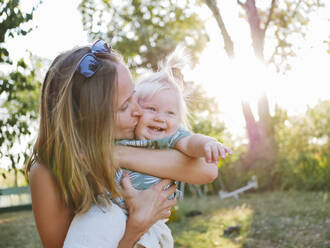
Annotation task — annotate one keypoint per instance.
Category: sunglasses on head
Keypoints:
(89, 64)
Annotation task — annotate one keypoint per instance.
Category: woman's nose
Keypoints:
(137, 111)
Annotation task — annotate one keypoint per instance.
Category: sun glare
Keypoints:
(246, 79)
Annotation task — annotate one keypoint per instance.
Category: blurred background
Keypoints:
(258, 82)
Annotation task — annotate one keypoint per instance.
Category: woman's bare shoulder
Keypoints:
(39, 172)
(42, 183)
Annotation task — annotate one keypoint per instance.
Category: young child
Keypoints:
(161, 98)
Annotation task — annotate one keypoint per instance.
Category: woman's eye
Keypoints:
(170, 113)
(124, 107)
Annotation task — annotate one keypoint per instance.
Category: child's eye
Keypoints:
(170, 113)
(151, 108)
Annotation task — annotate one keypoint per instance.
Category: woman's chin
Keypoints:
(128, 134)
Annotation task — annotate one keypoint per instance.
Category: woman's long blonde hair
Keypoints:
(75, 139)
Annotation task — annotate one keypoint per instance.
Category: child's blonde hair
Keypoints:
(168, 76)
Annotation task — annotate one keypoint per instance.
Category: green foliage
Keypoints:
(304, 151)
(20, 93)
(144, 31)
(18, 89)
(11, 22)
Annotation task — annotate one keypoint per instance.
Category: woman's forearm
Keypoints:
(167, 164)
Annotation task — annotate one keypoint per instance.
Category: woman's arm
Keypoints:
(51, 216)
(167, 164)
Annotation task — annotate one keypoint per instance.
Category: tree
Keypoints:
(279, 22)
(275, 21)
(18, 89)
(144, 31)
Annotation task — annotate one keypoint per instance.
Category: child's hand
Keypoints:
(213, 150)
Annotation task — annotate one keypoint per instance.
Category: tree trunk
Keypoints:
(228, 43)
(262, 150)
(262, 144)
(15, 178)
(267, 128)
(257, 33)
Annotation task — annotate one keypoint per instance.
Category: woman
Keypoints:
(88, 101)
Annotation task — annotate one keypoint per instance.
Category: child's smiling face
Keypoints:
(160, 116)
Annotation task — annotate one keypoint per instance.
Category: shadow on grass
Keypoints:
(208, 229)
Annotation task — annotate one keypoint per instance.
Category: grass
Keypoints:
(277, 219)
(17, 229)
(267, 220)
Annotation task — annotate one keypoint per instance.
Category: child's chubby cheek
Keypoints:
(140, 132)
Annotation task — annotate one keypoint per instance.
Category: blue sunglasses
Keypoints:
(89, 64)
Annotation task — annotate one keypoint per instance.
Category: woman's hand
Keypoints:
(148, 206)
(145, 208)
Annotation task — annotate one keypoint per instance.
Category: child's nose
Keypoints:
(159, 118)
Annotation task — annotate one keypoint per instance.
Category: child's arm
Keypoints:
(198, 145)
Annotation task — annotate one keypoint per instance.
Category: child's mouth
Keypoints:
(156, 130)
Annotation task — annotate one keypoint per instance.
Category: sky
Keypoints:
(58, 27)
